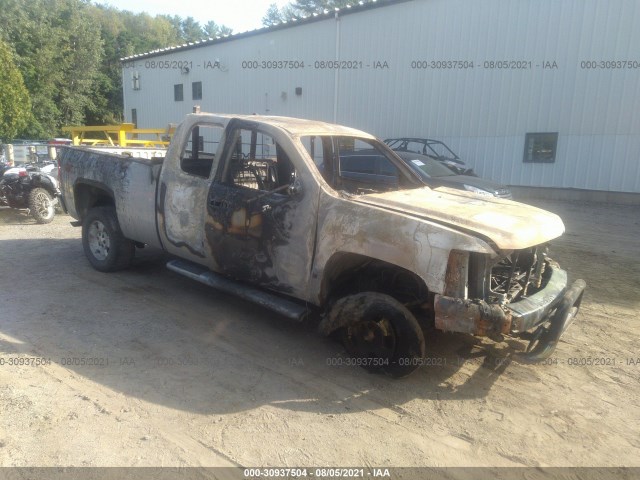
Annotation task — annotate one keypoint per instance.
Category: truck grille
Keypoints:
(518, 275)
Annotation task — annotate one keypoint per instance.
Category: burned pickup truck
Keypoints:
(259, 207)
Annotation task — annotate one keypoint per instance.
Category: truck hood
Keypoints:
(510, 225)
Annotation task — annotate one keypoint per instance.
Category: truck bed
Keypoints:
(131, 180)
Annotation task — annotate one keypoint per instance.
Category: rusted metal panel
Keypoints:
(457, 274)
(476, 317)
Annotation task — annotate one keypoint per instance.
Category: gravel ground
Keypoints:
(147, 368)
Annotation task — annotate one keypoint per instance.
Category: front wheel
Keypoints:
(41, 205)
(104, 244)
(381, 333)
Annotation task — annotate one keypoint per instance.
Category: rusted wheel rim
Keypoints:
(371, 339)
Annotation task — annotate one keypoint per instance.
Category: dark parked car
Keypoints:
(431, 148)
(436, 174)
(373, 166)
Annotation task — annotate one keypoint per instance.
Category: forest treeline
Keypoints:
(60, 61)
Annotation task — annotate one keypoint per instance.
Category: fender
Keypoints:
(43, 180)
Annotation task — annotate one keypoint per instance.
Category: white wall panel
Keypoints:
(483, 113)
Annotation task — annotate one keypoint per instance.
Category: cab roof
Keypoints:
(294, 126)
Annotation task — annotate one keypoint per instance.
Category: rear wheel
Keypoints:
(380, 333)
(104, 244)
(41, 205)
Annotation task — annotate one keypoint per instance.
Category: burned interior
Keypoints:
(258, 162)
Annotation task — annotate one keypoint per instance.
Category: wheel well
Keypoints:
(88, 196)
(349, 273)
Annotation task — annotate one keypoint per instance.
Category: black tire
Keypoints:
(104, 244)
(41, 205)
(380, 332)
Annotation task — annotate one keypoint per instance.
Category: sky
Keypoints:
(240, 15)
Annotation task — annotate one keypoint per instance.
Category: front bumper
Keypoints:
(549, 311)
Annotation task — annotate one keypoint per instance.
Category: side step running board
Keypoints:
(291, 310)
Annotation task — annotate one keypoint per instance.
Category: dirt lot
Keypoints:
(150, 369)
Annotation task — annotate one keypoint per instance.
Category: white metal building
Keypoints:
(538, 93)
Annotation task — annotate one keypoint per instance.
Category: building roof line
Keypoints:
(315, 17)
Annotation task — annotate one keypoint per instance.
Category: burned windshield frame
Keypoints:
(326, 150)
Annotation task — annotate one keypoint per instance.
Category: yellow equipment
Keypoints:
(123, 135)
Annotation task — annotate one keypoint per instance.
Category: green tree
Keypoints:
(276, 15)
(123, 34)
(273, 16)
(191, 30)
(81, 55)
(301, 9)
(212, 29)
(176, 25)
(15, 105)
(68, 53)
(58, 53)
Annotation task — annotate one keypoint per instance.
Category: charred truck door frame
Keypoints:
(263, 233)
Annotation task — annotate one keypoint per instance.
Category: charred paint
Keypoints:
(510, 225)
(122, 179)
(243, 229)
(476, 317)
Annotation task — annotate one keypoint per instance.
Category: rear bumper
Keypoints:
(556, 305)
